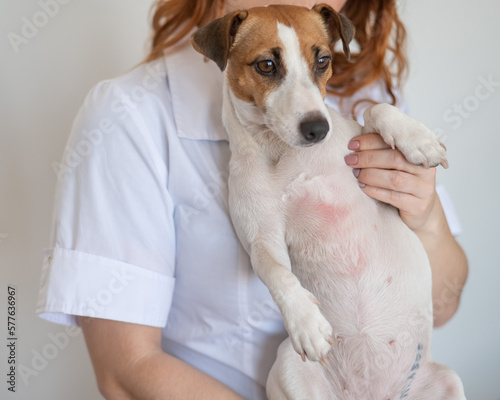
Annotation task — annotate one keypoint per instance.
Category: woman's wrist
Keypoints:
(434, 231)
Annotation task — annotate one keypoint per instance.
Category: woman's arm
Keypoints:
(385, 175)
(130, 365)
(448, 261)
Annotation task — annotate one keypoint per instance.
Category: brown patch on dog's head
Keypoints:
(256, 67)
(338, 25)
(246, 43)
(215, 39)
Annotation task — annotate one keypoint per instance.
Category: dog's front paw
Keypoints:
(418, 144)
(310, 333)
(421, 147)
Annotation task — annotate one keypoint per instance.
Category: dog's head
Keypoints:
(278, 60)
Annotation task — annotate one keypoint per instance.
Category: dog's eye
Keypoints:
(266, 67)
(322, 63)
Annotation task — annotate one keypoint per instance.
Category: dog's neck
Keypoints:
(246, 121)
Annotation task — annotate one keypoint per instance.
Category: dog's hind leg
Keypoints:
(293, 379)
(434, 382)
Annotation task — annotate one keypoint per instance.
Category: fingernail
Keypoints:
(353, 145)
(351, 159)
(361, 184)
(356, 171)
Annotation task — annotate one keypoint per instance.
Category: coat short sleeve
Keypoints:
(112, 249)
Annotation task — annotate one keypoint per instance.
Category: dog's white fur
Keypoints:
(352, 281)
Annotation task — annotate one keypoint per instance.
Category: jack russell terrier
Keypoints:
(352, 281)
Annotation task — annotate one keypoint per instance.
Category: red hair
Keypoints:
(380, 35)
(174, 19)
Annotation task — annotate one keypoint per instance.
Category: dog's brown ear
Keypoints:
(215, 39)
(340, 27)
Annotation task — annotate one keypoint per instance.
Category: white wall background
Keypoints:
(453, 50)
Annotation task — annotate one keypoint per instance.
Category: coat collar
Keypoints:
(195, 87)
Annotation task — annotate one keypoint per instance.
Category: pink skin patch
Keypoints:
(322, 222)
(321, 215)
(331, 213)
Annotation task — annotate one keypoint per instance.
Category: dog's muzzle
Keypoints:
(314, 130)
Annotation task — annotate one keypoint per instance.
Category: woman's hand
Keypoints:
(385, 175)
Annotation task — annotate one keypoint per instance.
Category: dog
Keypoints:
(351, 280)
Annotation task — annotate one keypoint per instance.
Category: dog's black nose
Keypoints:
(314, 130)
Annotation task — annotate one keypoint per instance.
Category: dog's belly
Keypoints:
(343, 251)
(370, 274)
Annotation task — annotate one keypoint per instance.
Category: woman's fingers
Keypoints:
(400, 200)
(382, 158)
(414, 211)
(420, 186)
(385, 175)
(370, 141)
